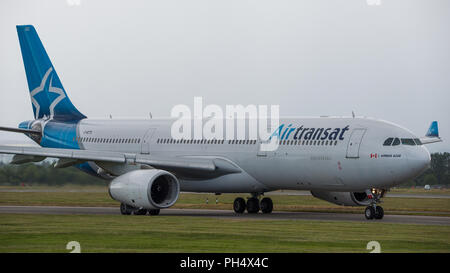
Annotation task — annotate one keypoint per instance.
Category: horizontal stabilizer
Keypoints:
(20, 130)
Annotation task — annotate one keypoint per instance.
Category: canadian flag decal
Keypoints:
(373, 155)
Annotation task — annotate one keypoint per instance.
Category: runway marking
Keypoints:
(276, 215)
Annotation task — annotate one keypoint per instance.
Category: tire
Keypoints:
(369, 213)
(140, 212)
(266, 205)
(253, 205)
(124, 209)
(379, 213)
(239, 205)
(153, 211)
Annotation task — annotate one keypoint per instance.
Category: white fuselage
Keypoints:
(355, 160)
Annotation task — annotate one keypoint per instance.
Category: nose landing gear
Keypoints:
(373, 211)
(253, 204)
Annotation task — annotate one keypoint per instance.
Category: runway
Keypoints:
(276, 215)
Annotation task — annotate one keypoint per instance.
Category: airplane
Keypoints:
(349, 161)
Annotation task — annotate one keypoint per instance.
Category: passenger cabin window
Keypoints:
(388, 141)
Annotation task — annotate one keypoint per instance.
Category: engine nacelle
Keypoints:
(149, 189)
(343, 198)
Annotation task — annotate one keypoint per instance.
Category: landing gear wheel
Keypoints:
(140, 212)
(253, 205)
(373, 211)
(379, 213)
(125, 209)
(239, 205)
(266, 205)
(369, 213)
(153, 211)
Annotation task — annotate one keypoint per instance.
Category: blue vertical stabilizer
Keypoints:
(48, 97)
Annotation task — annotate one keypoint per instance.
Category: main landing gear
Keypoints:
(373, 211)
(253, 204)
(127, 210)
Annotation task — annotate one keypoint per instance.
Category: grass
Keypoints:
(100, 197)
(117, 233)
(109, 233)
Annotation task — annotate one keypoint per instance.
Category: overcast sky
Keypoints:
(321, 57)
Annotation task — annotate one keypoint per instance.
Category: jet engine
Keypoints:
(149, 189)
(343, 198)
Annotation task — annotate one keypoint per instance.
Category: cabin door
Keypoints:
(145, 147)
(355, 142)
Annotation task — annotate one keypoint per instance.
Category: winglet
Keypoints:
(433, 131)
(432, 135)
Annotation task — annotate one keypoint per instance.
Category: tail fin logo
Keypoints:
(47, 88)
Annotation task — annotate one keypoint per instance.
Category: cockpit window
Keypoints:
(408, 141)
(388, 141)
(405, 141)
(396, 142)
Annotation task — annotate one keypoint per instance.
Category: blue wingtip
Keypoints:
(433, 131)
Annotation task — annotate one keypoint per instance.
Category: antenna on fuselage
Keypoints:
(110, 116)
(353, 114)
(150, 113)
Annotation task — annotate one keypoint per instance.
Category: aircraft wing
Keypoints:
(180, 164)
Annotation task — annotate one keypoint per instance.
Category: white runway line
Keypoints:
(276, 215)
